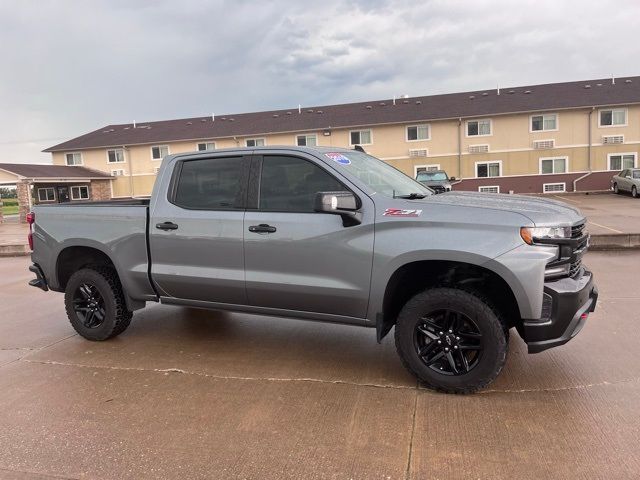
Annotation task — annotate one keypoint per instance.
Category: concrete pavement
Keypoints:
(195, 394)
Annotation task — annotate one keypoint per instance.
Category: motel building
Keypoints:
(559, 137)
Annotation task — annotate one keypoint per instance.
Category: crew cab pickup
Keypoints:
(331, 235)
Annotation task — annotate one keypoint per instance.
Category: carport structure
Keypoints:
(40, 184)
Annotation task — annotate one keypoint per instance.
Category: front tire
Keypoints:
(451, 340)
(95, 304)
(615, 188)
(634, 192)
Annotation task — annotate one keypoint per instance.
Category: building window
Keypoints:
(613, 117)
(425, 168)
(74, 158)
(117, 173)
(478, 128)
(543, 123)
(206, 146)
(488, 169)
(553, 165)
(115, 156)
(360, 137)
(489, 189)
(80, 193)
(46, 194)
(620, 161)
(307, 140)
(255, 142)
(158, 152)
(417, 132)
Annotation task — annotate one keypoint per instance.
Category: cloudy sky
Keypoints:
(68, 67)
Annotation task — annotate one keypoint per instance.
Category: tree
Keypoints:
(7, 192)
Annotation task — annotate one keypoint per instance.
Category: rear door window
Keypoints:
(210, 184)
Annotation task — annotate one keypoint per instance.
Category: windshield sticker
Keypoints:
(338, 157)
(397, 212)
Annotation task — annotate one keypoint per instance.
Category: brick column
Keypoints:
(24, 200)
(100, 190)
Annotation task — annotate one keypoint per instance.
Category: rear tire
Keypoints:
(463, 324)
(634, 192)
(95, 303)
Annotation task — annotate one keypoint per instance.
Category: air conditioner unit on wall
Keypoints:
(478, 148)
(418, 152)
(543, 144)
(612, 139)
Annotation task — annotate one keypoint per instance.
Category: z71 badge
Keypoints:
(397, 212)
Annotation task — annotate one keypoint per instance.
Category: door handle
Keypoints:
(166, 226)
(262, 228)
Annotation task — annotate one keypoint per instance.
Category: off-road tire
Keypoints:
(117, 317)
(495, 339)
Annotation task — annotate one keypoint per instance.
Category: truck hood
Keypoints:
(541, 211)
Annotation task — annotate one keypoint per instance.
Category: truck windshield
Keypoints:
(432, 176)
(636, 174)
(378, 175)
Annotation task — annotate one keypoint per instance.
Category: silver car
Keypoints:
(627, 181)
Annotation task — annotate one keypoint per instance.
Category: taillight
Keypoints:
(31, 218)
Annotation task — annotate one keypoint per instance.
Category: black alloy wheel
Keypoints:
(448, 342)
(89, 305)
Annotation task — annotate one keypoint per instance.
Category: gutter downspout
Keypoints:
(575, 182)
(128, 158)
(459, 149)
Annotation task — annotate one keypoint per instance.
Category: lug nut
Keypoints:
(439, 342)
(450, 331)
(446, 349)
(455, 347)
(457, 338)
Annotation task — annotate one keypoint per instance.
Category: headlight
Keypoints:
(531, 234)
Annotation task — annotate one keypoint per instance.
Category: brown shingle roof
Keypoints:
(51, 171)
(553, 96)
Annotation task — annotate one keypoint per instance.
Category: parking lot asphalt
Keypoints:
(189, 393)
(607, 213)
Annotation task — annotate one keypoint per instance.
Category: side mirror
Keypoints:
(452, 179)
(344, 204)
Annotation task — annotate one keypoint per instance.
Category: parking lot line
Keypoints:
(604, 226)
(566, 199)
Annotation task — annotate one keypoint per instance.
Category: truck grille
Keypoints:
(576, 230)
(438, 189)
(578, 233)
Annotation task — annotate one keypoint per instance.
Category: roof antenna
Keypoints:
(299, 108)
(134, 124)
(613, 80)
(498, 88)
(213, 117)
(394, 99)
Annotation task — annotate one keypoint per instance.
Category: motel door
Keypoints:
(63, 194)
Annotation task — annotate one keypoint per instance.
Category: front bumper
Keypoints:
(567, 303)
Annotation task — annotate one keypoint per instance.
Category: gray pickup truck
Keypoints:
(331, 235)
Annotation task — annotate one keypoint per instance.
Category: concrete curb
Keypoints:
(15, 250)
(614, 241)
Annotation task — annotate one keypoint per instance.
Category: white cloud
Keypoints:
(73, 66)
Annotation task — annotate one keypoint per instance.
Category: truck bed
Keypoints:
(118, 228)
